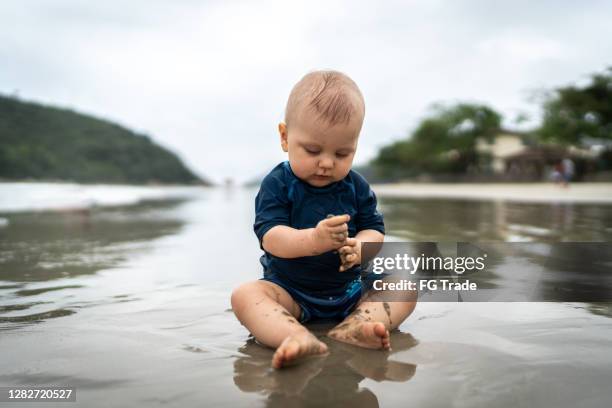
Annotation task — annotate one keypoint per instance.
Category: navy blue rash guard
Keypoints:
(284, 199)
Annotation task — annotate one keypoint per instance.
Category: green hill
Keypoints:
(46, 143)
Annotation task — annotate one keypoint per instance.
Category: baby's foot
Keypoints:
(373, 335)
(297, 345)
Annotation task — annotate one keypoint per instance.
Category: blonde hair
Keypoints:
(331, 95)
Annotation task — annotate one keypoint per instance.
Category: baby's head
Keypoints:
(323, 119)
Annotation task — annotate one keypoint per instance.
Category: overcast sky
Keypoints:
(209, 79)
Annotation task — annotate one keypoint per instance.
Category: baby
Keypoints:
(312, 214)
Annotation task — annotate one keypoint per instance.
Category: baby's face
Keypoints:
(320, 154)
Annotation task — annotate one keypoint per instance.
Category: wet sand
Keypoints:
(130, 305)
(515, 192)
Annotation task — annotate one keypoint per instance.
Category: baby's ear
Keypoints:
(282, 131)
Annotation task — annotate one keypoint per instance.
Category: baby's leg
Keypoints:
(369, 324)
(269, 313)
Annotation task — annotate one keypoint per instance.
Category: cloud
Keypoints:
(210, 80)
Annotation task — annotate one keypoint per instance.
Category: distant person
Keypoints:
(557, 173)
(568, 169)
(312, 214)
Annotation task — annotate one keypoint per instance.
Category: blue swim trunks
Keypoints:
(326, 307)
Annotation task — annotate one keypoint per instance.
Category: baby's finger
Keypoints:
(337, 220)
(338, 228)
(337, 239)
(341, 236)
(351, 257)
(345, 250)
(352, 242)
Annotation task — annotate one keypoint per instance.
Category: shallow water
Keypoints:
(130, 305)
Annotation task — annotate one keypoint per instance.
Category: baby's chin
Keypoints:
(317, 181)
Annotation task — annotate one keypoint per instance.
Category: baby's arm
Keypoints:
(369, 235)
(286, 242)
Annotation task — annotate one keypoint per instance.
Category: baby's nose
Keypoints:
(326, 163)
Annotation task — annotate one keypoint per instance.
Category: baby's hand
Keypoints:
(330, 233)
(350, 254)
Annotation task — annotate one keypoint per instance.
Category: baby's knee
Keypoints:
(242, 293)
(238, 295)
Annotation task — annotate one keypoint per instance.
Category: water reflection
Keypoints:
(330, 380)
(55, 245)
(578, 272)
(37, 249)
(154, 280)
(544, 269)
(456, 220)
(559, 271)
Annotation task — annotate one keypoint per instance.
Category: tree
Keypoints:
(572, 113)
(44, 142)
(444, 142)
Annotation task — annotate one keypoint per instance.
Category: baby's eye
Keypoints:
(341, 155)
(310, 151)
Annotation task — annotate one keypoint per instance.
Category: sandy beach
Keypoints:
(516, 192)
(129, 304)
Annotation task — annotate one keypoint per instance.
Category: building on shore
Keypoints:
(519, 156)
(538, 162)
(503, 145)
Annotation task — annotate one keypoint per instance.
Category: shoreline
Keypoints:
(593, 193)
